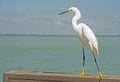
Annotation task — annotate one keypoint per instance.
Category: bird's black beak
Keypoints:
(63, 12)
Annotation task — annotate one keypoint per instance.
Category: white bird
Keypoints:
(86, 36)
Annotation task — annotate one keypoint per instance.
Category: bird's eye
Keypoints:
(70, 9)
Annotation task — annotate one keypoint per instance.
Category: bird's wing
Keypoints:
(88, 34)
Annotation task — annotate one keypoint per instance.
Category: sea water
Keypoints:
(57, 54)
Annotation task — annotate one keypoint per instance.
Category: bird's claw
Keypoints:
(82, 74)
(100, 75)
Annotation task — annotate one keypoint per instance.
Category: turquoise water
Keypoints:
(57, 54)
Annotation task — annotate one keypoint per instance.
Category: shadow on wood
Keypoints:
(27, 76)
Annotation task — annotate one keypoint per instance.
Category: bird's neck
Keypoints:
(75, 19)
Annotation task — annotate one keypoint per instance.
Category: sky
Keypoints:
(41, 16)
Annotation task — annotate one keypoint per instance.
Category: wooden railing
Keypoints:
(28, 76)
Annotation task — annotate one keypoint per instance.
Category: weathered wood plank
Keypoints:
(27, 76)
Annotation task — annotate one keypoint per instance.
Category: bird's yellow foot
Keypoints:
(82, 74)
(100, 75)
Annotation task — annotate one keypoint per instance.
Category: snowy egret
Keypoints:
(87, 37)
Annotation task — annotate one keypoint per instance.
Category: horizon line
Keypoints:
(48, 35)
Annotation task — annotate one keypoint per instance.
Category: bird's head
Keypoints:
(71, 9)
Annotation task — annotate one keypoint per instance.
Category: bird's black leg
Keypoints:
(96, 63)
(83, 71)
(99, 71)
(83, 57)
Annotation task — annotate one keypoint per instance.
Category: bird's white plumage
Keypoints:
(88, 38)
(85, 34)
